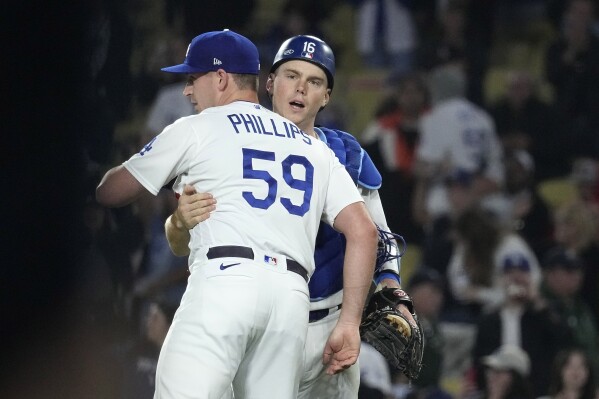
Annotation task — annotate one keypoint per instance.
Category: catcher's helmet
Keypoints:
(307, 48)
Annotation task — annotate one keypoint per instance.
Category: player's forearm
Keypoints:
(357, 278)
(177, 235)
(358, 269)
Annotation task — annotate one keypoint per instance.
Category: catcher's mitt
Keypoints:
(389, 332)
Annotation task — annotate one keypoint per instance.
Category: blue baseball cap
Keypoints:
(224, 49)
(516, 261)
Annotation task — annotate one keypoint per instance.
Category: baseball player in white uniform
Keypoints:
(300, 84)
(457, 138)
(244, 315)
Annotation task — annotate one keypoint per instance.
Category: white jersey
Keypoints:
(273, 182)
(461, 137)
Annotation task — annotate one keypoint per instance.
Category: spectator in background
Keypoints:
(576, 232)
(167, 104)
(148, 82)
(392, 21)
(506, 374)
(166, 108)
(426, 289)
(456, 138)
(527, 212)
(483, 249)
(375, 377)
(563, 276)
(460, 36)
(524, 122)
(522, 320)
(572, 376)
(572, 65)
(446, 45)
(391, 139)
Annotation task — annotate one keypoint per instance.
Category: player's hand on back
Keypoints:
(194, 207)
(342, 348)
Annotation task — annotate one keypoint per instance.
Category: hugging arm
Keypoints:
(192, 209)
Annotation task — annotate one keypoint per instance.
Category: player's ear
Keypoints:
(270, 83)
(326, 98)
(222, 79)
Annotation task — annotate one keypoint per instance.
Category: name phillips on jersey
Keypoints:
(250, 123)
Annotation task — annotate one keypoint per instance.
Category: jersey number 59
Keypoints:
(302, 185)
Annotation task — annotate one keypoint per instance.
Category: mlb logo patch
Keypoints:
(270, 260)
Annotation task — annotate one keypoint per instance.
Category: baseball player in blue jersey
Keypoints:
(300, 83)
(243, 319)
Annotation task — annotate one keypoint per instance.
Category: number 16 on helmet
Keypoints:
(307, 48)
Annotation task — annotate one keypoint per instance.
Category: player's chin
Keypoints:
(294, 115)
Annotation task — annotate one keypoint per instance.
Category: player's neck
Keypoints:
(240, 95)
(308, 128)
(312, 133)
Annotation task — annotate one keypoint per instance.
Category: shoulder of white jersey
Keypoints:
(350, 153)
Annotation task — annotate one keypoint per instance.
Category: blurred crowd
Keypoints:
(497, 196)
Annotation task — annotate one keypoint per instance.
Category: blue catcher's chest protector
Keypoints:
(330, 244)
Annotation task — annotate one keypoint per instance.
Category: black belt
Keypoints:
(319, 314)
(234, 251)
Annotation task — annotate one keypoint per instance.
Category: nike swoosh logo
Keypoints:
(223, 266)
